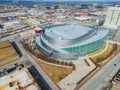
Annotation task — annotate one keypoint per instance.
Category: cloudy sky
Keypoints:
(79, 0)
(76, 0)
(66, 0)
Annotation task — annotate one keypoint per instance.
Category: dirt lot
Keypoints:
(7, 53)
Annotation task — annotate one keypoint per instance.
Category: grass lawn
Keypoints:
(103, 55)
(26, 64)
(56, 73)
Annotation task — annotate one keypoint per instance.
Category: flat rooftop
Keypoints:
(7, 53)
(67, 31)
(20, 79)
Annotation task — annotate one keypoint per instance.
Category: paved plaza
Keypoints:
(82, 69)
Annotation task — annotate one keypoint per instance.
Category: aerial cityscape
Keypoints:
(59, 44)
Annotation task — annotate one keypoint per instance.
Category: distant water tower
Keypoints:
(38, 30)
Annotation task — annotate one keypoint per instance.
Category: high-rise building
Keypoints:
(113, 17)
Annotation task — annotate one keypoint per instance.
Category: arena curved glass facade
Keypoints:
(65, 41)
(86, 48)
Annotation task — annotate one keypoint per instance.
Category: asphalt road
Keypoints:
(102, 77)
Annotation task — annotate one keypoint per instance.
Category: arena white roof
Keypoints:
(99, 35)
(67, 31)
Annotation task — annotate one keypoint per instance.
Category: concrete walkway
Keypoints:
(82, 69)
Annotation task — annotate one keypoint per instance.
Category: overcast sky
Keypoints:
(76, 0)
(80, 0)
(65, 0)
(60, 0)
